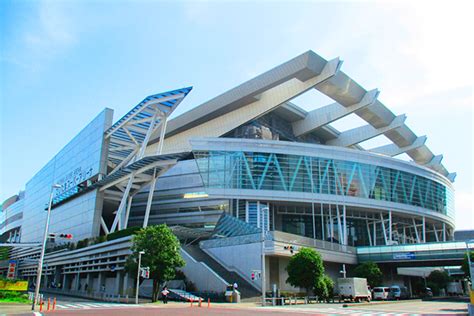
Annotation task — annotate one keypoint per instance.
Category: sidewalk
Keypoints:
(14, 308)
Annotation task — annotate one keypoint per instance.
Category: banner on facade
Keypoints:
(11, 269)
(13, 286)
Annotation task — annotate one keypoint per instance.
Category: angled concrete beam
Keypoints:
(435, 161)
(452, 176)
(363, 133)
(393, 150)
(331, 113)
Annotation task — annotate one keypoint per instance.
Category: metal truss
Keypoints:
(127, 142)
(269, 171)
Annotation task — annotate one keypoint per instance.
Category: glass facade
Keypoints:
(79, 160)
(293, 173)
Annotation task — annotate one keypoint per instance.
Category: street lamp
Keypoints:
(140, 253)
(262, 226)
(43, 247)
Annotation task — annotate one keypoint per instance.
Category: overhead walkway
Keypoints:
(439, 253)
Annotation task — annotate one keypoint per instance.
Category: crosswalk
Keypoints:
(86, 305)
(340, 311)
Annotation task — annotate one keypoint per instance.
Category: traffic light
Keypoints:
(253, 276)
(55, 235)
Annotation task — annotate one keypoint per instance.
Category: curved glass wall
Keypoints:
(293, 173)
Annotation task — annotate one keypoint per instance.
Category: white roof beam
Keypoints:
(435, 161)
(331, 113)
(393, 150)
(363, 133)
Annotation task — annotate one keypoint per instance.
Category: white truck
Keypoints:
(353, 289)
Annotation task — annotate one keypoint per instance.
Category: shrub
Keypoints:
(122, 233)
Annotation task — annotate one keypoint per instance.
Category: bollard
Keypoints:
(54, 304)
(200, 301)
(41, 305)
(208, 302)
(49, 303)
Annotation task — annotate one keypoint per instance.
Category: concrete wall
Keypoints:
(239, 258)
(201, 275)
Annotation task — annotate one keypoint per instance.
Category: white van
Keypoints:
(381, 293)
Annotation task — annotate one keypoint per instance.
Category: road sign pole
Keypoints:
(43, 247)
(138, 275)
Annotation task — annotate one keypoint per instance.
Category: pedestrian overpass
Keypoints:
(449, 253)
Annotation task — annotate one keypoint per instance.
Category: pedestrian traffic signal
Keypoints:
(253, 276)
(145, 272)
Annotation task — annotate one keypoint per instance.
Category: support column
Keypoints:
(435, 233)
(88, 282)
(127, 213)
(339, 226)
(77, 281)
(125, 284)
(444, 232)
(150, 199)
(382, 221)
(368, 232)
(416, 231)
(314, 220)
(344, 224)
(118, 276)
(63, 284)
(322, 222)
(390, 226)
(375, 232)
(404, 235)
(122, 203)
(424, 230)
(100, 281)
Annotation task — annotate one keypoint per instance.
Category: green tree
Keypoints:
(324, 289)
(305, 269)
(438, 280)
(370, 271)
(162, 255)
(465, 266)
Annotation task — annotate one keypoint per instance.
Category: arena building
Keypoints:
(246, 160)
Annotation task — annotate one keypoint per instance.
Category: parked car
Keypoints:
(398, 292)
(426, 292)
(381, 293)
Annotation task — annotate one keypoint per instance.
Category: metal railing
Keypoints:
(310, 242)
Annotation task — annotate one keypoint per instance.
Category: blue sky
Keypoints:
(62, 62)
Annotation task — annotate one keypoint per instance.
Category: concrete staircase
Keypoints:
(247, 290)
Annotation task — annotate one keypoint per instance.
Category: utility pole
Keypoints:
(43, 248)
(140, 253)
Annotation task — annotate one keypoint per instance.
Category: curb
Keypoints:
(373, 303)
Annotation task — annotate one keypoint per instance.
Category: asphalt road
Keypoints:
(85, 307)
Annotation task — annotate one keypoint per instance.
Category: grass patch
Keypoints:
(13, 297)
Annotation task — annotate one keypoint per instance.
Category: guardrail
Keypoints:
(306, 241)
(278, 236)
